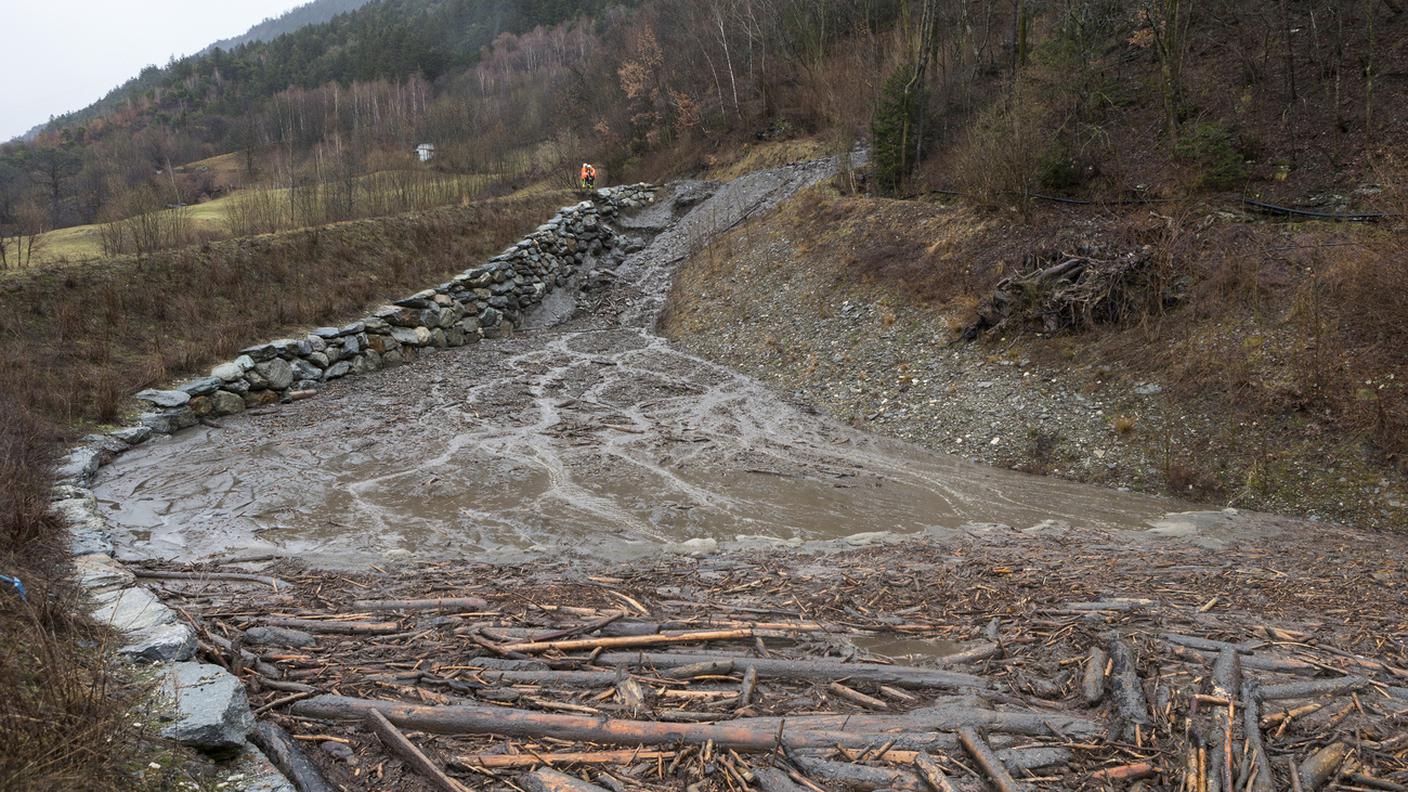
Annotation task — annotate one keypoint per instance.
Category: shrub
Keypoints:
(1217, 152)
(897, 130)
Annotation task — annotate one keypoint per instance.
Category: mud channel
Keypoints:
(584, 433)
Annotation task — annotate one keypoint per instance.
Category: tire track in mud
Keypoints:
(593, 436)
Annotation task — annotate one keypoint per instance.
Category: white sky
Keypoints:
(57, 56)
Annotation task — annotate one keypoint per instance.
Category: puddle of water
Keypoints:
(908, 651)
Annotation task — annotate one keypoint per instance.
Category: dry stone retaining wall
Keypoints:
(204, 706)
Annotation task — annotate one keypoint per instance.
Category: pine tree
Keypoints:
(896, 128)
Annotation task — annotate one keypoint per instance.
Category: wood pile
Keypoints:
(1069, 292)
(755, 675)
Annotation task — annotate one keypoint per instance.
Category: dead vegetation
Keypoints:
(886, 668)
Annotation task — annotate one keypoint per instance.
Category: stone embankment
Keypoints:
(202, 705)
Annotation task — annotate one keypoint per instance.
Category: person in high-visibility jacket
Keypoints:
(588, 176)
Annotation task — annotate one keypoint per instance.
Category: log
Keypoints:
(821, 670)
(548, 780)
(1129, 772)
(1322, 766)
(747, 687)
(770, 779)
(447, 603)
(238, 577)
(530, 760)
(1280, 665)
(1313, 688)
(337, 627)
(932, 775)
(1131, 705)
(1092, 685)
(405, 750)
(749, 734)
(1263, 781)
(1227, 684)
(987, 760)
(853, 776)
(856, 697)
(288, 757)
(625, 641)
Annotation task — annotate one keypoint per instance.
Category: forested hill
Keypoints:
(383, 39)
(308, 14)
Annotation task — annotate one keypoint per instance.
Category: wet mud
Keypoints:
(583, 433)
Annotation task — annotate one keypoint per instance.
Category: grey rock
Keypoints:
(303, 370)
(132, 435)
(277, 373)
(98, 574)
(292, 347)
(169, 421)
(338, 370)
(153, 631)
(327, 332)
(316, 344)
(80, 465)
(279, 636)
(87, 530)
(392, 359)
(211, 710)
(1148, 389)
(303, 385)
(224, 402)
(165, 398)
(202, 386)
(228, 372)
(438, 339)
(106, 445)
(411, 336)
(352, 329)
(260, 353)
(319, 359)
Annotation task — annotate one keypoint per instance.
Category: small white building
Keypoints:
(426, 152)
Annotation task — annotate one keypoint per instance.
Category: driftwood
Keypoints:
(844, 775)
(547, 780)
(770, 779)
(285, 754)
(627, 641)
(1262, 779)
(987, 760)
(1131, 705)
(748, 734)
(1322, 766)
(338, 627)
(821, 670)
(932, 775)
(1226, 685)
(1312, 688)
(1092, 685)
(449, 603)
(237, 577)
(405, 750)
(529, 760)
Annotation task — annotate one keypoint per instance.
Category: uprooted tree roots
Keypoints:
(1061, 292)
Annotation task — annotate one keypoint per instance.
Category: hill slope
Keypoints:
(312, 13)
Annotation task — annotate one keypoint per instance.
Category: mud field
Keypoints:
(592, 433)
(448, 576)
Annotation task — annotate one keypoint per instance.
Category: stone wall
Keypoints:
(203, 705)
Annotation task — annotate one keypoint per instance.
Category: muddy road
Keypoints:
(584, 433)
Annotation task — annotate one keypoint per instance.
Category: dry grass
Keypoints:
(63, 724)
(82, 337)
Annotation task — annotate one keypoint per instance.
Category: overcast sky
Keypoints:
(60, 55)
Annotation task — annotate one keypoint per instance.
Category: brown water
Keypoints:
(595, 436)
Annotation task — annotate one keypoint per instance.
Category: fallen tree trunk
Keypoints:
(546, 780)
(402, 748)
(821, 670)
(448, 603)
(338, 627)
(624, 641)
(237, 577)
(920, 728)
(285, 754)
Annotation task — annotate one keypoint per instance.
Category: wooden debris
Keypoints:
(932, 775)
(405, 750)
(987, 760)
(548, 780)
(445, 604)
(288, 757)
(530, 760)
(339, 627)
(1322, 766)
(1093, 682)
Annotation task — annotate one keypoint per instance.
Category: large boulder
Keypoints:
(224, 402)
(87, 530)
(153, 631)
(80, 465)
(210, 710)
(277, 373)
